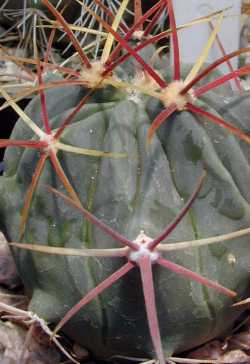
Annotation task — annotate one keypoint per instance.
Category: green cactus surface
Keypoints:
(129, 147)
(144, 191)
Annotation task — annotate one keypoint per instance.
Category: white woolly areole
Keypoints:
(93, 76)
(135, 97)
(172, 95)
(138, 35)
(49, 139)
(142, 241)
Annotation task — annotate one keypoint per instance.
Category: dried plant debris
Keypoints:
(12, 343)
(13, 299)
(220, 352)
(38, 331)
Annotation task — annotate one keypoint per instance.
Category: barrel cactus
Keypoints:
(127, 144)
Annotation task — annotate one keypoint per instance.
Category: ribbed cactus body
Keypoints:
(144, 191)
